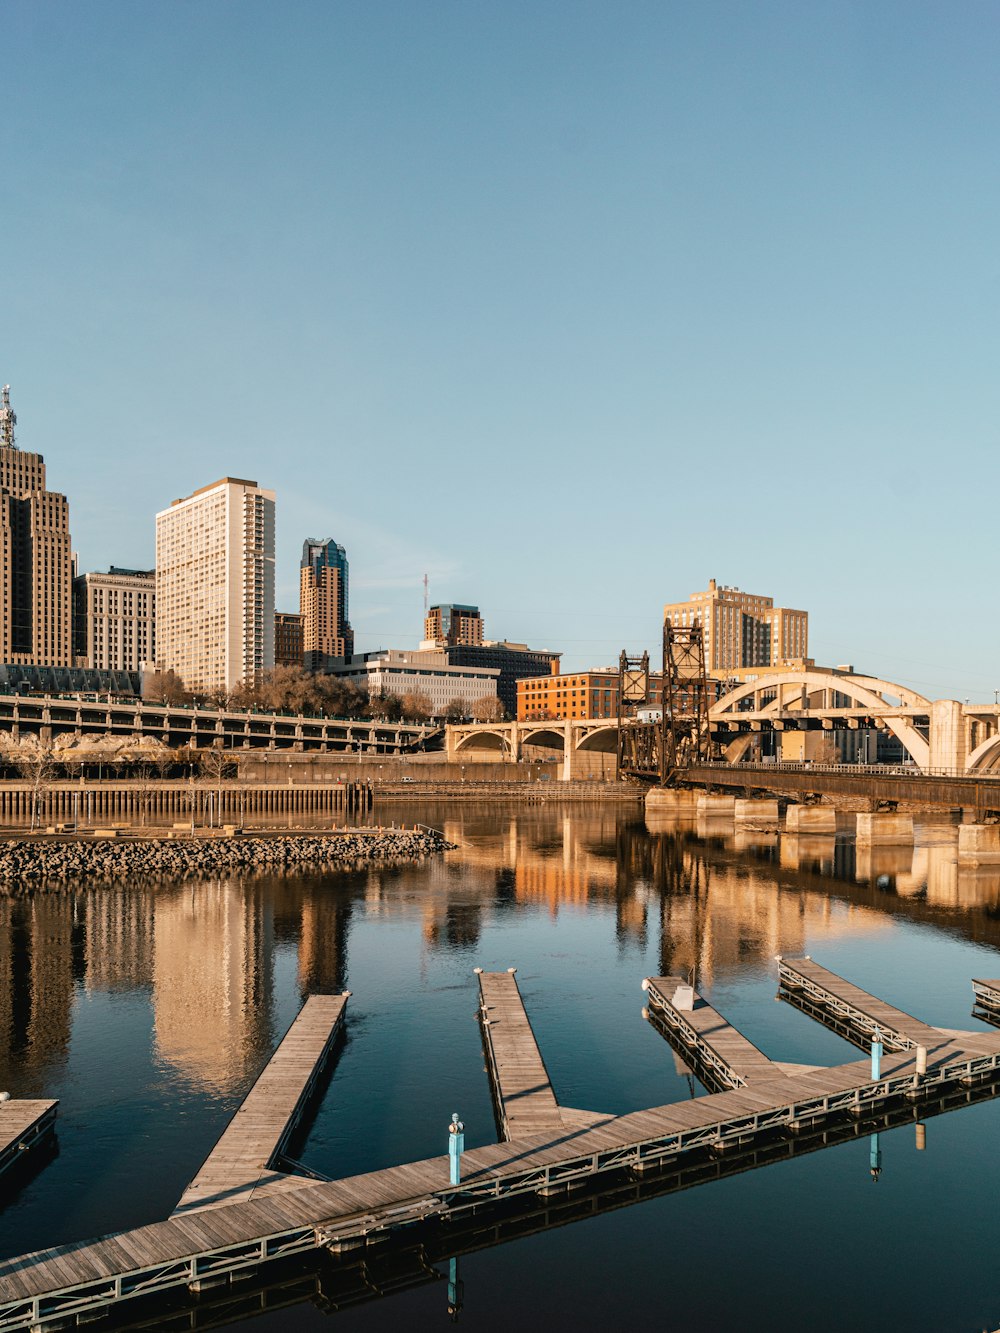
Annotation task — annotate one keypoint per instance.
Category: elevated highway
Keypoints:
(51, 716)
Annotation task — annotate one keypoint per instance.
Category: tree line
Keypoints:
(289, 689)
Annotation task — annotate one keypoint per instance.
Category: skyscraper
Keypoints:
(743, 631)
(215, 585)
(453, 624)
(326, 632)
(36, 562)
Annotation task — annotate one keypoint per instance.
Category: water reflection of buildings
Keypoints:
(40, 948)
(212, 979)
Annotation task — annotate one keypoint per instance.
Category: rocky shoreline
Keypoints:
(29, 865)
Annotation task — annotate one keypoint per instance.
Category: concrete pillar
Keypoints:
(949, 740)
(756, 812)
(884, 829)
(671, 798)
(514, 741)
(715, 806)
(568, 755)
(979, 844)
(811, 819)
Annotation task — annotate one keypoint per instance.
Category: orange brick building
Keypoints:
(584, 694)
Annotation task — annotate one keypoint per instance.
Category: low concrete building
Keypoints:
(423, 671)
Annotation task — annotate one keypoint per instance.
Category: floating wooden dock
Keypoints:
(208, 1246)
(848, 1009)
(718, 1052)
(987, 995)
(522, 1091)
(244, 1162)
(23, 1125)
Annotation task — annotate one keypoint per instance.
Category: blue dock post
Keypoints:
(456, 1146)
(456, 1290)
(875, 1158)
(877, 1049)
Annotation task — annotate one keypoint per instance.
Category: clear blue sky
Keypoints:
(572, 306)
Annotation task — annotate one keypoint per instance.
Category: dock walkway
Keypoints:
(53, 1287)
(522, 1090)
(23, 1125)
(987, 995)
(850, 1010)
(242, 1163)
(719, 1053)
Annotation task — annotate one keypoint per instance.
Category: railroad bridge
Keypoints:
(940, 736)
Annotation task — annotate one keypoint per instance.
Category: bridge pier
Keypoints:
(811, 819)
(979, 844)
(884, 830)
(716, 806)
(756, 812)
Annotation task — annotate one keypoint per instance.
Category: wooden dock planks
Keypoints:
(521, 1086)
(899, 1028)
(704, 1033)
(241, 1161)
(313, 1215)
(23, 1125)
(987, 993)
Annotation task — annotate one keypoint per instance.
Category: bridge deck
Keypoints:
(718, 1051)
(240, 1163)
(23, 1124)
(521, 1086)
(49, 1287)
(854, 1007)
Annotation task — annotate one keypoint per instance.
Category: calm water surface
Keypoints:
(149, 1010)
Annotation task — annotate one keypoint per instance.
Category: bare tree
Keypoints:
(488, 709)
(455, 710)
(36, 763)
(416, 707)
(165, 687)
(216, 765)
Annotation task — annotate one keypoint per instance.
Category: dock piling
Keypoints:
(877, 1051)
(456, 1146)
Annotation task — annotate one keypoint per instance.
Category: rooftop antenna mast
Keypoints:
(7, 419)
(426, 586)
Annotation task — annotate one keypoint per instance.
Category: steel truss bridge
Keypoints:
(50, 716)
(941, 735)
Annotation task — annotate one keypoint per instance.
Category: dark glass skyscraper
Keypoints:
(323, 578)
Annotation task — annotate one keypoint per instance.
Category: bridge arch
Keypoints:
(493, 740)
(874, 695)
(985, 758)
(602, 739)
(543, 734)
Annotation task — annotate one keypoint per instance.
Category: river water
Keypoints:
(149, 1010)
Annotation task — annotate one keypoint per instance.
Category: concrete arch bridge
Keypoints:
(941, 735)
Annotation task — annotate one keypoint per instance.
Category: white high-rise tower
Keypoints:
(215, 585)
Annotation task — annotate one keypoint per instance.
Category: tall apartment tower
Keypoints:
(323, 606)
(36, 560)
(215, 585)
(743, 631)
(453, 624)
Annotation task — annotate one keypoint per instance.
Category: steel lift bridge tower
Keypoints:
(659, 748)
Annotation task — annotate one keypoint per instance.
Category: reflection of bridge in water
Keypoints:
(941, 735)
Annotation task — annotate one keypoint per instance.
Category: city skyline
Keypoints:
(519, 274)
